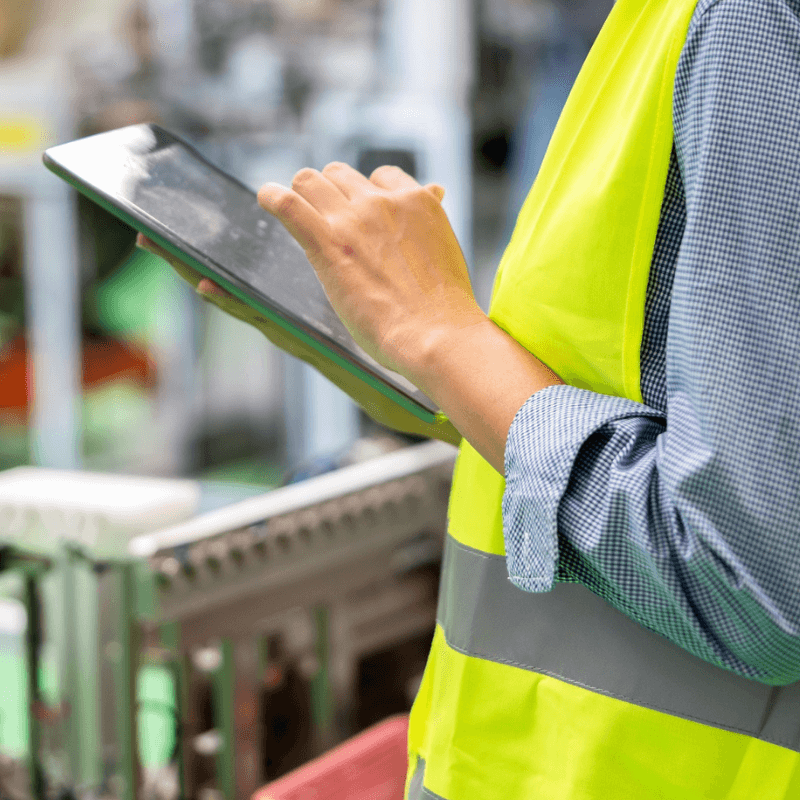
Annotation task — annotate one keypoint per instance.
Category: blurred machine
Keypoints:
(298, 618)
(79, 523)
(281, 625)
(21, 777)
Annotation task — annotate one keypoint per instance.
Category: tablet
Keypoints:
(161, 186)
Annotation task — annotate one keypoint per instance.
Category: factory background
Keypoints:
(213, 566)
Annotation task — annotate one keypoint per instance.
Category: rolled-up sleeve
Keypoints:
(689, 521)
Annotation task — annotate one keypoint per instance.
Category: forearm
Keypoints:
(480, 377)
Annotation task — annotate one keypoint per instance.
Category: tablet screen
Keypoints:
(168, 185)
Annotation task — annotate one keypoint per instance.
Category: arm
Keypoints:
(689, 521)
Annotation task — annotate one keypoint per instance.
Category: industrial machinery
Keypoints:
(280, 625)
(17, 777)
(295, 619)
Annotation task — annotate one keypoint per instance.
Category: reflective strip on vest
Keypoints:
(416, 790)
(575, 636)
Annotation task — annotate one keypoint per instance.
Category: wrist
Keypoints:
(445, 346)
(480, 377)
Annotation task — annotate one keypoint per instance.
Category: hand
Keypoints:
(392, 269)
(377, 405)
(390, 264)
(387, 258)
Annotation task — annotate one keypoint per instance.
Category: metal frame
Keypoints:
(342, 550)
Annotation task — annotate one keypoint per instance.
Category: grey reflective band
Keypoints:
(416, 791)
(575, 636)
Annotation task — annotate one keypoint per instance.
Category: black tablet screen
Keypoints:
(167, 183)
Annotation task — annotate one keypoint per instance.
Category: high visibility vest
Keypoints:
(559, 696)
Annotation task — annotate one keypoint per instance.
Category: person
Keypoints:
(619, 611)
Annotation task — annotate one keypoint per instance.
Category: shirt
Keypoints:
(684, 511)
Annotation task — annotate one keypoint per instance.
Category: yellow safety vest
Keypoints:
(559, 696)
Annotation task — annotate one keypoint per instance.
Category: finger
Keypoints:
(181, 267)
(436, 190)
(298, 216)
(148, 244)
(324, 195)
(349, 181)
(392, 178)
(208, 288)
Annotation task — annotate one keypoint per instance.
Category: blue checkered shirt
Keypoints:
(684, 512)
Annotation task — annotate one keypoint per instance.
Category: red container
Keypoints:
(370, 766)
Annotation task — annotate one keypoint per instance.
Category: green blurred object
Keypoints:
(128, 300)
(250, 473)
(155, 694)
(114, 417)
(13, 694)
(14, 446)
(106, 247)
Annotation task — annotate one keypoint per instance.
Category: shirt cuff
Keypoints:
(543, 442)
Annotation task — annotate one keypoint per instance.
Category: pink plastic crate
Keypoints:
(370, 766)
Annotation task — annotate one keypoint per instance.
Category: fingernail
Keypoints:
(269, 188)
